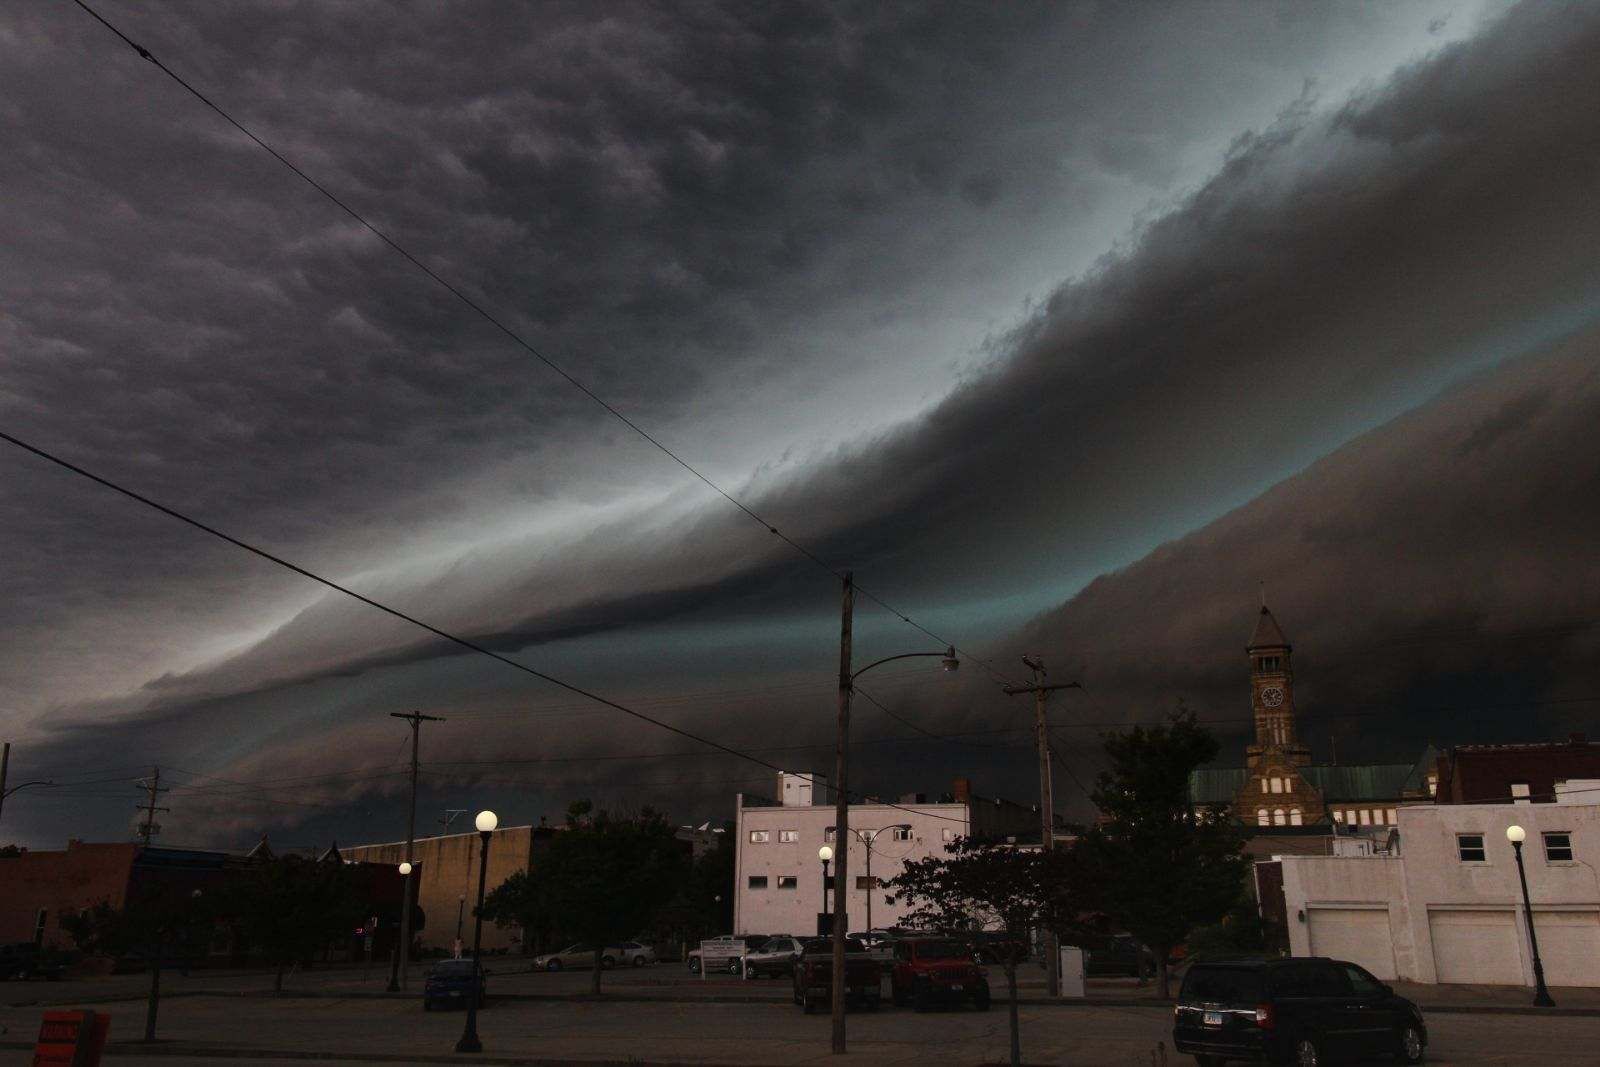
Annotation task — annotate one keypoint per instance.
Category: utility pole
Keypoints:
(153, 788)
(398, 975)
(5, 764)
(1047, 806)
(841, 814)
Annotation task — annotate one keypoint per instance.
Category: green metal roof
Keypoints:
(1373, 781)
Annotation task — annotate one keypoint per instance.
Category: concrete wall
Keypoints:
(1474, 905)
(447, 874)
(60, 882)
(775, 910)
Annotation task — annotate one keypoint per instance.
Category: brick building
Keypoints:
(1539, 773)
(1292, 804)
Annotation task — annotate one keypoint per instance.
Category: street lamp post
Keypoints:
(841, 787)
(1541, 995)
(485, 822)
(405, 926)
(867, 837)
(825, 854)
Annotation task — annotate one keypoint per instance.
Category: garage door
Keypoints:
(1476, 947)
(1569, 946)
(1360, 935)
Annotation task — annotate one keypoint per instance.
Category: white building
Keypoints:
(1447, 906)
(778, 886)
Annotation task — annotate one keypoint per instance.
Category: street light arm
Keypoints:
(949, 653)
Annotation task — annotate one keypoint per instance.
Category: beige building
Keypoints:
(447, 873)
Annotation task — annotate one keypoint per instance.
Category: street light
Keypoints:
(867, 837)
(1541, 995)
(825, 854)
(405, 924)
(841, 782)
(485, 822)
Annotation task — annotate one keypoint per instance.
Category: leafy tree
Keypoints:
(985, 886)
(607, 877)
(1240, 933)
(1155, 865)
(703, 906)
(10, 851)
(157, 923)
(290, 907)
(523, 900)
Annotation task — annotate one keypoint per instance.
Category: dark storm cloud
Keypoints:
(703, 202)
(1338, 270)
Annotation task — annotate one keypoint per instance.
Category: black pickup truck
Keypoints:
(813, 975)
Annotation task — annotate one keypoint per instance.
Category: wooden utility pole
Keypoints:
(841, 815)
(1047, 805)
(153, 788)
(5, 764)
(397, 977)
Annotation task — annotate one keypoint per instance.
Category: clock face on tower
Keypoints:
(1272, 696)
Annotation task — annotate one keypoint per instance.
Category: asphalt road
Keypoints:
(399, 1031)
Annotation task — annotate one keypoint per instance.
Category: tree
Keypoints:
(11, 851)
(606, 877)
(986, 886)
(703, 905)
(157, 922)
(1155, 865)
(523, 900)
(289, 907)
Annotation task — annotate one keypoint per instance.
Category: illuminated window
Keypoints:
(1279, 818)
(758, 837)
(1392, 820)
(1294, 817)
(947, 834)
(1366, 816)
(789, 836)
(1338, 816)
(1262, 818)
(1433, 785)
(1277, 785)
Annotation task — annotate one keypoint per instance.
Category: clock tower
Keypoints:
(1274, 792)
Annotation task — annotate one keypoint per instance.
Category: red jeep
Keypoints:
(935, 970)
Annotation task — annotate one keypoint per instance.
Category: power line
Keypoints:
(515, 337)
(395, 612)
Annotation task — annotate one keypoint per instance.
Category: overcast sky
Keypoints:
(1064, 326)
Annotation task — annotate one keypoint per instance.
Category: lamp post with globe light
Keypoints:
(485, 822)
(1541, 994)
(395, 975)
(825, 854)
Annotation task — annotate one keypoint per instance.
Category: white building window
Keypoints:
(1279, 818)
(1366, 816)
(758, 881)
(1392, 820)
(1295, 817)
(830, 834)
(1264, 785)
(1277, 785)
(901, 834)
(788, 881)
(1350, 816)
(1558, 847)
(1263, 818)
(760, 837)
(1521, 793)
(1470, 848)
(1338, 816)
(788, 837)
(947, 834)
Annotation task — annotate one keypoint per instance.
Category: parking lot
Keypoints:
(341, 1014)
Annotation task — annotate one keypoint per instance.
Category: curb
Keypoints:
(139, 1048)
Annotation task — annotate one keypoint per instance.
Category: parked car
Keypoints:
(579, 956)
(449, 982)
(1115, 954)
(775, 957)
(635, 953)
(813, 975)
(935, 970)
(1303, 1010)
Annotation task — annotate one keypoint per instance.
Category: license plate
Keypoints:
(955, 987)
(1212, 1018)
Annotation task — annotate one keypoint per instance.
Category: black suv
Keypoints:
(1303, 1011)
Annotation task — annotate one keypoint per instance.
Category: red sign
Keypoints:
(71, 1039)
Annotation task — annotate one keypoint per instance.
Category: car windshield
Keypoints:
(822, 946)
(1222, 985)
(942, 950)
